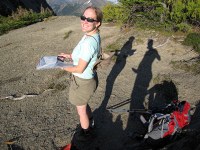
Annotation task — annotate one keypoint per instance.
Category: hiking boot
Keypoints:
(91, 125)
(78, 128)
(84, 135)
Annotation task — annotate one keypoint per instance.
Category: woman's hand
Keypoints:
(64, 55)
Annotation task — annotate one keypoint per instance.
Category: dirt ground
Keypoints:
(48, 120)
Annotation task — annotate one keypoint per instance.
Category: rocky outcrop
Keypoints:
(8, 6)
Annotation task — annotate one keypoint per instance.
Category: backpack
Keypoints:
(165, 125)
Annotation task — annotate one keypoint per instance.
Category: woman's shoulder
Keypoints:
(93, 38)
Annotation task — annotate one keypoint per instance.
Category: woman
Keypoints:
(84, 56)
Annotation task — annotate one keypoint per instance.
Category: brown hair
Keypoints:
(98, 12)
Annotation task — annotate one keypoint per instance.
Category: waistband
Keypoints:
(76, 77)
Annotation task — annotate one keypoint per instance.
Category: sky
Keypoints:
(113, 0)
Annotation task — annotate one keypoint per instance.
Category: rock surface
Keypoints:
(47, 121)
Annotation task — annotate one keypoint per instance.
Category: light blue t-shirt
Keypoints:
(87, 49)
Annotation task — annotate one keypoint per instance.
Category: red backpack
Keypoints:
(165, 125)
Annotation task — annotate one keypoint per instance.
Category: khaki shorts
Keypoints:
(81, 90)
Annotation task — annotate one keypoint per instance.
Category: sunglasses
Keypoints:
(83, 18)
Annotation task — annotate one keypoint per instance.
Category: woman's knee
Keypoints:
(82, 110)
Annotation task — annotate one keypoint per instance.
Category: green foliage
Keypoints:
(109, 13)
(161, 14)
(194, 11)
(185, 11)
(193, 39)
(21, 18)
(115, 13)
(177, 13)
(131, 2)
(184, 27)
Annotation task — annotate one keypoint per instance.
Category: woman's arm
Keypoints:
(82, 64)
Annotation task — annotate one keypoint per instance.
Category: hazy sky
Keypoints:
(113, 0)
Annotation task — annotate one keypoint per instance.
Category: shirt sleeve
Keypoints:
(87, 50)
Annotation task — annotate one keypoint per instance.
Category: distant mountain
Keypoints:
(8, 6)
(73, 7)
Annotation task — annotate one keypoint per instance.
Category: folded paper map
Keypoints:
(51, 62)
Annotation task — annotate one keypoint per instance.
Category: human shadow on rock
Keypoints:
(140, 88)
(119, 65)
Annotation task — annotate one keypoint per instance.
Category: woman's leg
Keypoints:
(85, 133)
(83, 116)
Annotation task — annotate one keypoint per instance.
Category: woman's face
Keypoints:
(89, 25)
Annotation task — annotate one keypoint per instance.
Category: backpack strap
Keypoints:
(98, 45)
(99, 55)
